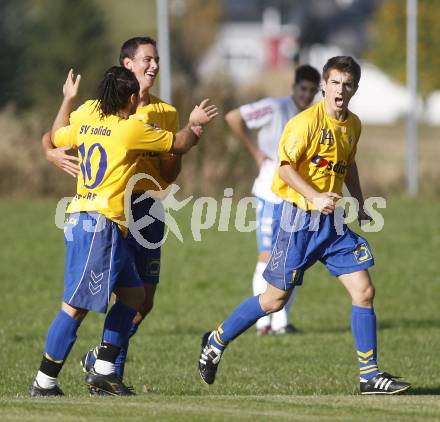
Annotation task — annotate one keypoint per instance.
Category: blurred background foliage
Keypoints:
(388, 38)
(41, 39)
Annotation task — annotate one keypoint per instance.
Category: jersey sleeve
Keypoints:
(293, 142)
(257, 114)
(65, 136)
(144, 137)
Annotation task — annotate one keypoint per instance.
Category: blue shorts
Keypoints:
(305, 237)
(265, 229)
(146, 249)
(97, 261)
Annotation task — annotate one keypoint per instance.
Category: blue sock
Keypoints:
(363, 326)
(117, 324)
(122, 356)
(245, 315)
(59, 341)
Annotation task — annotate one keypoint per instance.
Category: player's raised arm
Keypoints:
(238, 127)
(186, 138)
(70, 91)
(59, 156)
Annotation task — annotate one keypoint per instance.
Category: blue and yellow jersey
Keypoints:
(109, 150)
(158, 114)
(162, 115)
(320, 148)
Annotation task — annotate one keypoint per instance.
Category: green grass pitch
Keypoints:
(311, 376)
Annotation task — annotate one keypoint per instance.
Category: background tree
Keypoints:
(193, 30)
(13, 27)
(388, 49)
(63, 34)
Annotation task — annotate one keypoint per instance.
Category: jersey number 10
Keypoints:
(92, 181)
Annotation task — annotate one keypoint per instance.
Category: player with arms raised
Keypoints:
(139, 55)
(98, 259)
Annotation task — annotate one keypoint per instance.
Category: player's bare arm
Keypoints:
(353, 184)
(59, 156)
(70, 91)
(238, 127)
(322, 201)
(187, 137)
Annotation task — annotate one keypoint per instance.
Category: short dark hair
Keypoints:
(115, 90)
(130, 46)
(344, 64)
(306, 72)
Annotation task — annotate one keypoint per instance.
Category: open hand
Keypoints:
(71, 86)
(203, 113)
(67, 163)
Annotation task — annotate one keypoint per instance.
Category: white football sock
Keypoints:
(44, 381)
(104, 367)
(259, 286)
(281, 318)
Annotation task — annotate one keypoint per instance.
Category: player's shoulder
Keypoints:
(86, 111)
(259, 110)
(280, 104)
(135, 121)
(89, 107)
(137, 124)
(355, 120)
(161, 105)
(308, 117)
(260, 103)
(286, 99)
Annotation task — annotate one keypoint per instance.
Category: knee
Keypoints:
(138, 300)
(365, 297)
(148, 303)
(271, 304)
(147, 306)
(264, 257)
(75, 313)
(133, 297)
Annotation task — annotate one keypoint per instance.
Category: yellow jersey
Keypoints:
(158, 114)
(109, 150)
(161, 115)
(320, 148)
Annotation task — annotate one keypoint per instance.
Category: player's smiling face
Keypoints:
(338, 89)
(145, 65)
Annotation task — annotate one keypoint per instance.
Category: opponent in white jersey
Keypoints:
(269, 116)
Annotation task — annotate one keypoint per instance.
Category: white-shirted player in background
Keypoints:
(269, 116)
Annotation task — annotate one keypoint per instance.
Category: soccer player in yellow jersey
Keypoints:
(316, 156)
(138, 54)
(98, 259)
